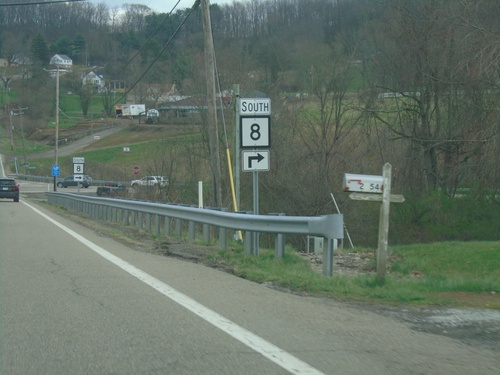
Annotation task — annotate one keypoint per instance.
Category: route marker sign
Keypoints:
(255, 161)
(78, 168)
(78, 165)
(255, 132)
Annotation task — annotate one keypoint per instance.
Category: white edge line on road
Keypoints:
(265, 348)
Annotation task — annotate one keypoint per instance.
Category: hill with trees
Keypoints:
(354, 84)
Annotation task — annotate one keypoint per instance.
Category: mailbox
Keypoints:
(363, 183)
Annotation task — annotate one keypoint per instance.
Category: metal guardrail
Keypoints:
(161, 218)
(50, 180)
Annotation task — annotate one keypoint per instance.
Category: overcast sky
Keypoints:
(164, 6)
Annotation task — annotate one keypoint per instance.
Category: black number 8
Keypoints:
(255, 132)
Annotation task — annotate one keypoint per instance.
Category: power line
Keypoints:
(39, 3)
(152, 34)
(196, 4)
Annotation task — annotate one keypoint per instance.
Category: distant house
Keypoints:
(20, 59)
(161, 92)
(94, 79)
(189, 108)
(61, 61)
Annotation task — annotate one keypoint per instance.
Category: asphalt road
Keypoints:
(75, 302)
(73, 147)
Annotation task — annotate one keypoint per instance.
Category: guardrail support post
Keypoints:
(191, 231)
(206, 233)
(222, 238)
(280, 245)
(157, 219)
(140, 220)
(178, 228)
(248, 243)
(279, 241)
(168, 226)
(331, 245)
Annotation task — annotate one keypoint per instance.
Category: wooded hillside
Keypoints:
(354, 84)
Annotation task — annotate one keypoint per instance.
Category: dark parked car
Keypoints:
(9, 189)
(70, 181)
(112, 189)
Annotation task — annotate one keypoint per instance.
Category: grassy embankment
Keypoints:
(448, 273)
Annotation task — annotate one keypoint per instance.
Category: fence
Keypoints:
(158, 218)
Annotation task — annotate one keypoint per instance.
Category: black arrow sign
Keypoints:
(257, 158)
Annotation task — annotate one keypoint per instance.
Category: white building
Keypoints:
(62, 61)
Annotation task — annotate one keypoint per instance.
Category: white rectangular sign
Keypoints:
(363, 183)
(255, 161)
(78, 177)
(255, 132)
(255, 106)
(78, 160)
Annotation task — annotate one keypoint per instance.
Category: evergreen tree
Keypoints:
(39, 50)
(78, 49)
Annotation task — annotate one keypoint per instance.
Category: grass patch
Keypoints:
(419, 275)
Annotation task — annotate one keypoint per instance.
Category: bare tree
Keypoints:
(85, 91)
(333, 112)
(433, 96)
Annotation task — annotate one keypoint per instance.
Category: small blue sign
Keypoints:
(56, 170)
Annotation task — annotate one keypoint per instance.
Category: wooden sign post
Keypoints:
(383, 229)
(361, 183)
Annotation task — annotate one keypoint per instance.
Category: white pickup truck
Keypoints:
(157, 181)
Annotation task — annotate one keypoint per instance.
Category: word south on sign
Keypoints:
(255, 106)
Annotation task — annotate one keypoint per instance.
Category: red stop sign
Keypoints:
(136, 170)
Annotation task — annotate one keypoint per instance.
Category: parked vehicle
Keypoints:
(112, 189)
(150, 181)
(9, 189)
(71, 181)
(130, 110)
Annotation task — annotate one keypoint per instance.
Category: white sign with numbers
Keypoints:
(363, 183)
(77, 168)
(255, 132)
(78, 163)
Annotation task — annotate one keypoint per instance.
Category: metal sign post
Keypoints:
(255, 242)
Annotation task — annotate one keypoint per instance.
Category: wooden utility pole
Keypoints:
(213, 134)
